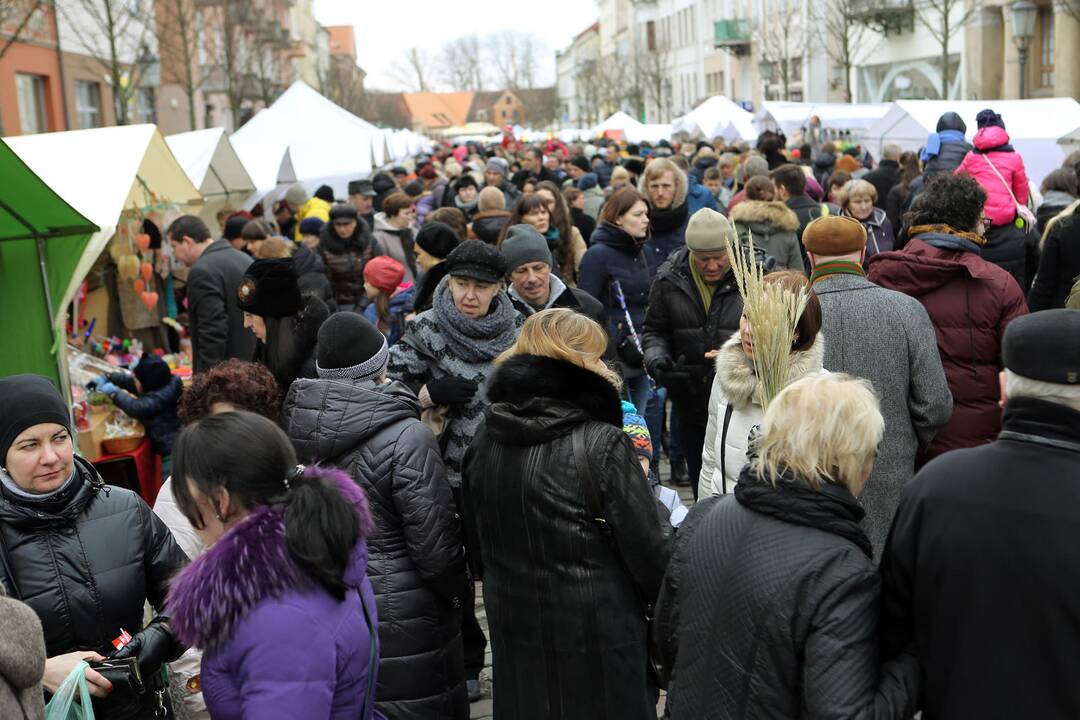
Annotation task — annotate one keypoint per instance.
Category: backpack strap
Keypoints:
(728, 412)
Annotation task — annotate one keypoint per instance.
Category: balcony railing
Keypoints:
(889, 17)
(732, 35)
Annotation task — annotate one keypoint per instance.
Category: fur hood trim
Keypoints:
(682, 188)
(735, 371)
(772, 212)
(249, 564)
(527, 377)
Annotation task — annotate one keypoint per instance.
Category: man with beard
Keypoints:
(665, 185)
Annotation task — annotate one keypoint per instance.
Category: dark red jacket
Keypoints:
(969, 301)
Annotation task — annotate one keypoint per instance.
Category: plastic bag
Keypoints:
(72, 698)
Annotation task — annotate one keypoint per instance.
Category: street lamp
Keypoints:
(1023, 23)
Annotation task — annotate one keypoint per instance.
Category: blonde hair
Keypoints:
(563, 334)
(822, 428)
(274, 248)
(620, 174)
(855, 188)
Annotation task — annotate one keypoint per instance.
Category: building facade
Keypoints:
(31, 78)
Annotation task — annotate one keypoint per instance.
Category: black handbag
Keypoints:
(128, 688)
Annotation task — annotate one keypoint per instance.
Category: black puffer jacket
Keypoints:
(769, 609)
(416, 564)
(566, 600)
(86, 562)
(313, 279)
(291, 343)
(1059, 265)
(344, 260)
(676, 325)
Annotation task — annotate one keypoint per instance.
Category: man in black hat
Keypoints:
(362, 197)
(982, 569)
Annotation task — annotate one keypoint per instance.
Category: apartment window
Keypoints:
(650, 35)
(509, 100)
(88, 104)
(30, 90)
(1046, 47)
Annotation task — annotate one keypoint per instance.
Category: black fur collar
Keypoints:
(526, 377)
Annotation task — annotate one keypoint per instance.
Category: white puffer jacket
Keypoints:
(736, 384)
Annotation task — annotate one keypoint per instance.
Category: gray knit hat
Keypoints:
(498, 165)
(525, 244)
(296, 194)
(707, 231)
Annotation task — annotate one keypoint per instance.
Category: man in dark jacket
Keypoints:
(215, 321)
(790, 185)
(886, 174)
(981, 570)
(497, 175)
(533, 166)
(666, 188)
(362, 197)
(945, 149)
(694, 306)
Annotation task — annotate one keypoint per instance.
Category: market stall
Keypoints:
(717, 117)
(214, 168)
(1034, 126)
(621, 126)
(823, 121)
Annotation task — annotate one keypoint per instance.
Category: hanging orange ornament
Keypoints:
(147, 271)
(139, 285)
(149, 299)
(143, 241)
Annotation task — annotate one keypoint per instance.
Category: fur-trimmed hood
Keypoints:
(682, 188)
(761, 212)
(735, 371)
(534, 399)
(249, 564)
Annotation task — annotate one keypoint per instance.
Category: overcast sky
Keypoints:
(385, 28)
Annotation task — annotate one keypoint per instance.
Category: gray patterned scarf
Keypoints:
(475, 340)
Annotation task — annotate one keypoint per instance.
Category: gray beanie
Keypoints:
(707, 231)
(498, 165)
(296, 194)
(524, 244)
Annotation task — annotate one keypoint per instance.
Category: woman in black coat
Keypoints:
(770, 605)
(1059, 262)
(350, 417)
(85, 557)
(572, 546)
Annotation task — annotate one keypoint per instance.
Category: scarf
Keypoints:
(667, 220)
(943, 229)
(703, 288)
(465, 207)
(836, 267)
(556, 288)
(933, 143)
(475, 340)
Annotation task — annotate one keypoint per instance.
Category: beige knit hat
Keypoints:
(707, 231)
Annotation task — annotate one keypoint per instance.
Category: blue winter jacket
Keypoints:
(698, 196)
(156, 409)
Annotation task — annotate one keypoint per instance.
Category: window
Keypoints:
(509, 100)
(88, 104)
(145, 112)
(650, 35)
(481, 115)
(1046, 46)
(30, 90)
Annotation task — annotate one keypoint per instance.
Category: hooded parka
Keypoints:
(775, 229)
(344, 260)
(417, 564)
(566, 597)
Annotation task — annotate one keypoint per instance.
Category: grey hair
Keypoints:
(891, 151)
(1017, 386)
(754, 166)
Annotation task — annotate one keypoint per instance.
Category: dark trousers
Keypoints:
(473, 640)
(693, 422)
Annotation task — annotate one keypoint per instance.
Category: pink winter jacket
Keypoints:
(1000, 208)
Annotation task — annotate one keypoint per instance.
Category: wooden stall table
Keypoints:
(138, 470)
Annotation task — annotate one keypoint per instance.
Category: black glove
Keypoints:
(451, 390)
(154, 646)
(674, 377)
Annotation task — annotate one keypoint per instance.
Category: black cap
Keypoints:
(383, 183)
(581, 162)
(414, 188)
(234, 226)
(437, 239)
(343, 213)
(398, 170)
(361, 187)
(1044, 346)
(153, 372)
(477, 260)
(270, 288)
(350, 347)
(26, 401)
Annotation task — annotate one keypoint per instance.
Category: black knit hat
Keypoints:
(234, 226)
(477, 260)
(382, 183)
(581, 162)
(270, 288)
(437, 239)
(1044, 346)
(326, 193)
(343, 213)
(351, 348)
(152, 372)
(26, 401)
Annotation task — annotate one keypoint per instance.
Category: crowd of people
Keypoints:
(466, 373)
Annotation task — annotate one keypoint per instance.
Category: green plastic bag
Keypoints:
(72, 698)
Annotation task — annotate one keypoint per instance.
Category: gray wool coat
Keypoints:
(22, 661)
(886, 337)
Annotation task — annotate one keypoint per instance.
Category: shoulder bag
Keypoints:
(1022, 210)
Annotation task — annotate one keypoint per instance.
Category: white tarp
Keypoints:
(790, 117)
(632, 130)
(1034, 126)
(327, 144)
(717, 117)
(213, 167)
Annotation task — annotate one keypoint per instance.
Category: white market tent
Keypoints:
(632, 130)
(403, 144)
(717, 117)
(326, 144)
(790, 117)
(269, 166)
(1071, 142)
(1034, 126)
(214, 168)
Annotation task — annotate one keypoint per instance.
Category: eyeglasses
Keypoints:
(985, 222)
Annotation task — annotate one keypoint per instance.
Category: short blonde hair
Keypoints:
(563, 334)
(274, 248)
(822, 428)
(857, 188)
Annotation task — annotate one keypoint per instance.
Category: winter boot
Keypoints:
(679, 475)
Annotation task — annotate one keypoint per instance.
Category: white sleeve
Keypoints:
(708, 451)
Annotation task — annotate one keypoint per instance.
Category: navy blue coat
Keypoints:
(662, 243)
(615, 256)
(156, 410)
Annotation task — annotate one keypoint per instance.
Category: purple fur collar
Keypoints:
(249, 564)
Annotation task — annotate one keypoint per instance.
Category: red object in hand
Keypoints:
(122, 639)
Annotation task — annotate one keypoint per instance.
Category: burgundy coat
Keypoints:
(969, 301)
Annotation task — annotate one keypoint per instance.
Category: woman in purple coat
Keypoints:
(280, 602)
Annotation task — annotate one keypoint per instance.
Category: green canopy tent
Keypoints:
(42, 239)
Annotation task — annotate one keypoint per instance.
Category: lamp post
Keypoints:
(1023, 24)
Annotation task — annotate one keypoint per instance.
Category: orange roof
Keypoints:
(342, 40)
(436, 110)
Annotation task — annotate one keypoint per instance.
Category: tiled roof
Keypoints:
(342, 40)
(436, 110)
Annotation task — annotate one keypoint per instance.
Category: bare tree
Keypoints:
(412, 70)
(782, 39)
(230, 47)
(342, 85)
(178, 39)
(266, 66)
(514, 56)
(113, 33)
(937, 17)
(847, 39)
(590, 83)
(463, 65)
(16, 23)
(656, 79)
